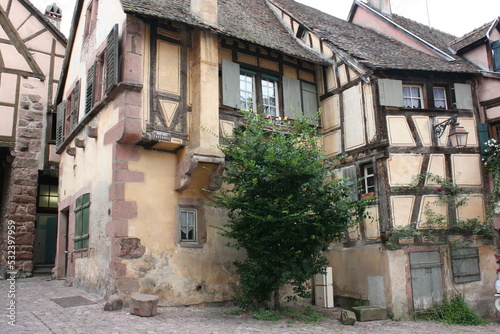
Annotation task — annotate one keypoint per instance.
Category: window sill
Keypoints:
(185, 244)
(80, 253)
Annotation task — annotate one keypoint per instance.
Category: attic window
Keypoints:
(90, 18)
(301, 31)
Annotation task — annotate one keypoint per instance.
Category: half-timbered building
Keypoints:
(31, 56)
(150, 86)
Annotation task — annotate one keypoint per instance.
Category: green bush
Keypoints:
(456, 311)
(265, 314)
(308, 315)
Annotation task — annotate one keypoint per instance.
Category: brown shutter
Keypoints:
(76, 105)
(61, 108)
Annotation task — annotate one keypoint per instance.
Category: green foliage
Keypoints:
(308, 315)
(264, 314)
(233, 311)
(456, 311)
(283, 207)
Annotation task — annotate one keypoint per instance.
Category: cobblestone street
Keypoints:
(35, 312)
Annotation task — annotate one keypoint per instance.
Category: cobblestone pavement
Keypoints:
(36, 313)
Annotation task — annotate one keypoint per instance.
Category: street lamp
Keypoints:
(458, 135)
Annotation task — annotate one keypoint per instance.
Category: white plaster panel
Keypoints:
(443, 140)
(403, 168)
(431, 202)
(331, 112)
(168, 68)
(466, 169)
(436, 167)
(331, 83)
(343, 74)
(13, 59)
(493, 112)
(43, 61)
(227, 128)
(353, 233)
(30, 27)
(399, 131)
(470, 126)
(401, 209)
(8, 84)
(352, 75)
(42, 42)
(354, 125)
(423, 129)
(7, 123)
(371, 126)
(18, 14)
(473, 208)
(372, 227)
(333, 143)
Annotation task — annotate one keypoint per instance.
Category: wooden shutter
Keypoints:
(76, 105)
(61, 108)
(351, 180)
(390, 92)
(112, 59)
(465, 265)
(230, 84)
(78, 223)
(426, 279)
(89, 96)
(463, 96)
(85, 220)
(482, 129)
(310, 102)
(495, 46)
(292, 102)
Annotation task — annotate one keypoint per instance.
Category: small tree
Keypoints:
(284, 209)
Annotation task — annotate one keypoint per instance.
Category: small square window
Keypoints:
(47, 196)
(439, 97)
(412, 96)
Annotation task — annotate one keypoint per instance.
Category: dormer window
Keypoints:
(412, 96)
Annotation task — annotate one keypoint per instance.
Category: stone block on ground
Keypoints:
(347, 317)
(113, 303)
(368, 313)
(143, 305)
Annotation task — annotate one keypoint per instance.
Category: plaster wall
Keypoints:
(488, 89)
(478, 55)
(177, 273)
(367, 19)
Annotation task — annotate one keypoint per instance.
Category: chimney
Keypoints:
(54, 14)
(206, 10)
(383, 6)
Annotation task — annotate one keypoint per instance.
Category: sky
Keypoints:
(456, 17)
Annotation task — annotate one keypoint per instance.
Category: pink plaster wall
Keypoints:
(370, 20)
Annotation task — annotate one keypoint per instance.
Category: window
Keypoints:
(368, 175)
(495, 130)
(439, 97)
(72, 107)
(103, 75)
(465, 265)
(82, 206)
(47, 196)
(270, 97)
(247, 90)
(495, 46)
(188, 225)
(412, 96)
(90, 18)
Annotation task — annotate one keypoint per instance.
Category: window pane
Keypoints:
(52, 202)
(188, 225)
(415, 92)
(247, 91)
(44, 189)
(43, 201)
(439, 97)
(53, 190)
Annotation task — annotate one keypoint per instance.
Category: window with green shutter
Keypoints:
(112, 59)
(495, 46)
(82, 206)
(465, 265)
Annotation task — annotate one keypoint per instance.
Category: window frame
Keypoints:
(419, 98)
(51, 187)
(365, 179)
(200, 233)
(82, 218)
(90, 18)
(258, 91)
(495, 130)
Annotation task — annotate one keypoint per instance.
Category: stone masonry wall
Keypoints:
(21, 189)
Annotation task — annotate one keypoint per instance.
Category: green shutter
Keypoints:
(89, 96)
(310, 102)
(390, 92)
(292, 103)
(482, 129)
(78, 224)
(495, 46)
(76, 105)
(61, 108)
(230, 84)
(463, 96)
(112, 59)
(82, 206)
(465, 265)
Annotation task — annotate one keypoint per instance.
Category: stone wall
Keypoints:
(21, 182)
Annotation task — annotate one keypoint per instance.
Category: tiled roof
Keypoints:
(249, 20)
(371, 48)
(471, 37)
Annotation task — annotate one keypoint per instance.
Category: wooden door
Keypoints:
(426, 279)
